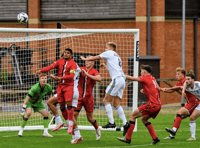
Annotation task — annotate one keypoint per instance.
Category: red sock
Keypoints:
(95, 124)
(70, 114)
(65, 114)
(73, 132)
(177, 122)
(151, 130)
(130, 130)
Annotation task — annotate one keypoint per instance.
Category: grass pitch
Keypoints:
(141, 138)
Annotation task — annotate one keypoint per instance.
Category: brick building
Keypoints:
(165, 26)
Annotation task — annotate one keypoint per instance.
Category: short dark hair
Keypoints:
(147, 68)
(190, 75)
(68, 49)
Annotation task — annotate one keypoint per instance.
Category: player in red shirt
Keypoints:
(66, 70)
(184, 111)
(86, 84)
(148, 110)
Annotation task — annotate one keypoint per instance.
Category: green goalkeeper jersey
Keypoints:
(36, 93)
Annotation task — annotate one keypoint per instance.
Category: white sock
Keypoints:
(192, 128)
(174, 129)
(21, 131)
(77, 132)
(120, 112)
(58, 119)
(67, 121)
(109, 112)
(70, 122)
(45, 130)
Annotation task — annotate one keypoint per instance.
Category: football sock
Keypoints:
(151, 130)
(77, 132)
(109, 112)
(58, 119)
(177, 122)
(130, 130)
(95, 124)
(70, 115)
(192, 128)
(46, 122)
(73, 132)
(120, 112)
(65, 114)
(45, 130)
(24, 122)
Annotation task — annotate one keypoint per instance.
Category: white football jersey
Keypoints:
(76, 78)
(196, 89)
(114, 63)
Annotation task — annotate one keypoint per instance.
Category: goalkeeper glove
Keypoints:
(23, 110)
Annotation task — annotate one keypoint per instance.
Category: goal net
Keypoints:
(24, 51)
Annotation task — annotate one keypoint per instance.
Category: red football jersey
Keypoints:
(86, 84)
(149, 86)
(66, 70)
(191, 97)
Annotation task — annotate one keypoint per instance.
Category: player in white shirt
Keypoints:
(194, 88)
(115, 89)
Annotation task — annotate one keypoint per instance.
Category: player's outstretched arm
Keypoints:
(170, 90)
(132, 78)
(96, 78)
(183, 90)
(91, 58)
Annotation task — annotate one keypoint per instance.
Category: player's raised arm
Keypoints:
(46, 69)
(96, 78)
(132, 78)
(91, 58)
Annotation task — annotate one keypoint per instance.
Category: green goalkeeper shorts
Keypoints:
(36, 107)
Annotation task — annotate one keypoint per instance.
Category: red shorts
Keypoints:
(191, 106)
(65, 93)
(87, 103)
(150, 109)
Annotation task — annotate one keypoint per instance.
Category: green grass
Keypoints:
(141, 138)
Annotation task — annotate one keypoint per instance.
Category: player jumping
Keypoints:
(87, 81)
(66, 71)
(116, 88)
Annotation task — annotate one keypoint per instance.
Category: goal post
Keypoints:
(21, 56)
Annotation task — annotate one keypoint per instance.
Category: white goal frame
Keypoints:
(136, 63)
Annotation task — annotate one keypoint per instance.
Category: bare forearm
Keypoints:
(132, 78)
(96, 78)
(26, 100)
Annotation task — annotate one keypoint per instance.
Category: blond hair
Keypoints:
(113, 45)
(183, 71)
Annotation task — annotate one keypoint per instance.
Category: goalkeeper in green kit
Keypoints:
(34, 101)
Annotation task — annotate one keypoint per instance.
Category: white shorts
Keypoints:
(75, 98)
(116, 87)
(198, 107)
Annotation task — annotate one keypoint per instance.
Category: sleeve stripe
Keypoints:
(72, 71)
